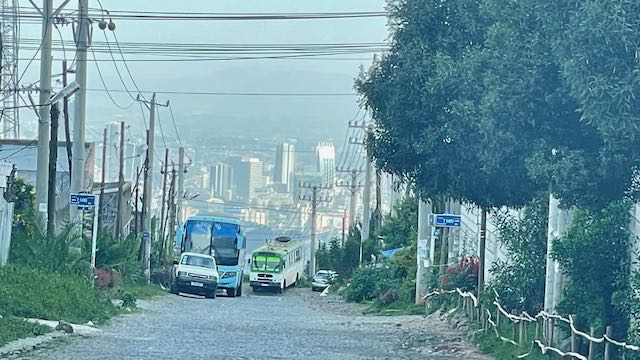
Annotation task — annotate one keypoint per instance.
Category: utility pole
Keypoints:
(148, 184)
(44, 115)
(378, 210)
(180, 195)
(366, 197)
(120, 183)
(53, 162)
(102, 180)
(136, 200)
(80, 105)
(314, 199)
(143, 216)
(353, 188)
(163, 212)
(423, 256)
(172, 209)
(65, 112)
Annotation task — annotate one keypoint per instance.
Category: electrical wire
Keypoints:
(175, 127)
(107, 89)
(20, 150)
(223, 93)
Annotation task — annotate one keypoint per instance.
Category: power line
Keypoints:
(222, 93)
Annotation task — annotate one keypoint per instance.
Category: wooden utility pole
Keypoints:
(120, 184)
(163, 207)
(102, 180)
(148, 185)
(314, 199)
(172, 209)
(53, 162)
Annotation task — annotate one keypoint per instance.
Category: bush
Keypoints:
(32, 293)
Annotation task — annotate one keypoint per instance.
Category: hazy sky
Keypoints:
(229, 76)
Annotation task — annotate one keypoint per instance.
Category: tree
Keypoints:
(402, 229)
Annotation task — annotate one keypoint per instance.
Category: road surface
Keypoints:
(296, 325)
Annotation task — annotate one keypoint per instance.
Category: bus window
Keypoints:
(273, 263)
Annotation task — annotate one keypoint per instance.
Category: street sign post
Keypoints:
(445, 220)
(84, 202)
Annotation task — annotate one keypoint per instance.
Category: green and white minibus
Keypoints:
(277, 264)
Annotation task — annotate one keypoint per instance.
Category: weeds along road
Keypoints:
(296, 325)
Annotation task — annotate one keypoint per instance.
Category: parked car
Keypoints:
(195, 274)
(322, 279)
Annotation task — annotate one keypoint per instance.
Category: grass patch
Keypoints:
(31, 293)
(394, 309)
(13, 329)
(304, 283)
(144, 291)
(500, 350)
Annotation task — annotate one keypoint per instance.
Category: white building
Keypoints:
(284, 167)
(326, 162)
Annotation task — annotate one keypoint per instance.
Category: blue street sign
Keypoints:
(146, 235)
(445, 220)
(83, 200)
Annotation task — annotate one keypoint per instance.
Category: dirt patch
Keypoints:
(429, 335)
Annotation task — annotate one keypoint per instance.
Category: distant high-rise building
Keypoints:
(221, 176)
(247, 177)
(284, 167)
(326, 161)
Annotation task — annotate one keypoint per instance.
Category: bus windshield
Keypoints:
(266, 262)
(213, 238)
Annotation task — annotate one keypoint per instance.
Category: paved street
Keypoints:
(296, 325)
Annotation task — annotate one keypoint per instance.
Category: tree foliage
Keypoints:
(520, 280)
(474, 95)
(595, 255)
(399, 230)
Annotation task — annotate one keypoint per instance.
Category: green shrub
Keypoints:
(33, 293)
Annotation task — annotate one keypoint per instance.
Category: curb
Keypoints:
(33, 343)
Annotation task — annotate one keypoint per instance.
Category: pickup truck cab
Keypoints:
(195, 274)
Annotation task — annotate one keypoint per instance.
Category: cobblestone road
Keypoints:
(296, 325)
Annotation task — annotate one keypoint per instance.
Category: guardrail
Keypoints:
(544, 323)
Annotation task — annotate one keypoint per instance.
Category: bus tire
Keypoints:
(240, 289)
(232, 292)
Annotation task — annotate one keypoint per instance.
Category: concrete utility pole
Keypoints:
(377, 214)
(353, 186)
(44, 115)
(80, 105)
(163, 209)
(424, 253)
(483, 249)
(65, 112)
(102, 180)
(180, 192)
(148, 185)
(120, 183)
(314, 199)
(366, 198)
